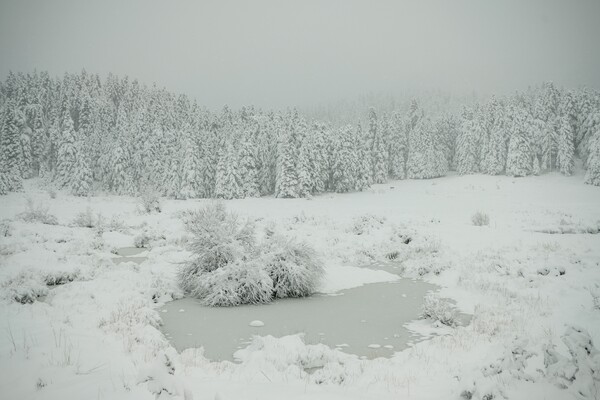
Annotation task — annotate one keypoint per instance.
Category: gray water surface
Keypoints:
(128, 254)
(367, 320)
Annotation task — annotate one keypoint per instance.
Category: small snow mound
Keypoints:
(181, 310)
(374, 346)
(256, 323)
(388, 346)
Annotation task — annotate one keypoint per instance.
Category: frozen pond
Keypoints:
(128, 254)
(367, 320)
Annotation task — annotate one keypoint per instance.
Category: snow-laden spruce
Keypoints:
(229, 268)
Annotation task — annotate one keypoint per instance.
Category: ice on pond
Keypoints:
(130, 251)
(221, 330)
(127, 254)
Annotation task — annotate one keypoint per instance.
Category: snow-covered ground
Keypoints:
(534, 294)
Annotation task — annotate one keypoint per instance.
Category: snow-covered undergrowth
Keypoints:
(78, 325)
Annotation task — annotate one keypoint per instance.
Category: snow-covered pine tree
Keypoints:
(316, 142)
(377, 149)
(466, 144)
(345, 161)
(565, 160)
(494, 158)
(39, 145)
(592, 174)
(519, 159)
(304, 171)
(66, 157)
(590, 126)
(286, 185)
(188, 186)
(82, 182)
(425, 160)
(248, 164)
(227, 179)
(11, 153)
(26, 150)
(303, 163)
(398, 148)
(446, 128)
(120, 157)
(364, 168)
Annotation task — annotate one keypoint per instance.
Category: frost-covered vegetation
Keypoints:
(83, 133)
(438, 309)
(480, 219)
(86, 219)
(150, 201)
(37, 213)
(230, 268)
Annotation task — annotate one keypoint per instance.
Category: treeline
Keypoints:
(117, 135)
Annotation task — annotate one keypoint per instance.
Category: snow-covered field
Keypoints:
(530, 278)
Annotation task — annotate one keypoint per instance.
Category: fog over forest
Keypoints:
(275, 54)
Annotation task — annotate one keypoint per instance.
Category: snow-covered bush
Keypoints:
(23, 288)
(232, 285)
(5, 229)
(85, 219)
(142, 240)
(294, 267)
(229, 269)
(219, 237)
(150, 201)
(438, 310)
(365, 223)
(581, 370)
(480, 219)
(55, 278)
(52, 193)
(39, 213)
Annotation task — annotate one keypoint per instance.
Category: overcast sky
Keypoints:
(283, 53)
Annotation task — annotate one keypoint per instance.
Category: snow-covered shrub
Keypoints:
(39, 213)
(581, 370)
(150, 201)
(233, 284)
(218, 237)
(161, 379)
(365, 223)
(438, 310)
(85, 219)
(56, 278)
(116, 224)
(480, 219)
(52, 193)
(142, 240)
(23, 288)
(5, 229)
(294, 267)
(229, 269)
